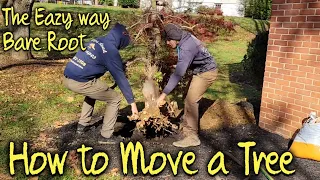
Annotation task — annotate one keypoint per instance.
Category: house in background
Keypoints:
(228, 7)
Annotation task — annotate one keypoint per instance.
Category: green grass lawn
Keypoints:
(35, 99)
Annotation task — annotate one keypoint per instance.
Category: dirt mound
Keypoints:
(222, 114)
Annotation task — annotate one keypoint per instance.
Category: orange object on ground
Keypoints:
(307, 142)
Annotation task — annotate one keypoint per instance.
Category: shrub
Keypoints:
(209, 11)
(129, 3)
(106, 2)
(255, 59)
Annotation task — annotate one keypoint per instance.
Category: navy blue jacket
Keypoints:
(102, 55)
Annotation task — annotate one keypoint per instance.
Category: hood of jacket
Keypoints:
(118, 36)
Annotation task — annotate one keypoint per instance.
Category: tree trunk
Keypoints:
(20, 6)
(96, 2)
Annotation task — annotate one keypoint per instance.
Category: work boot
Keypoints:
(82, 129)
(190, 140)
(112, 140)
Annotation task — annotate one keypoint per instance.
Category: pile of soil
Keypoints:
(221, 114)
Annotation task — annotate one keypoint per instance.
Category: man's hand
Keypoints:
(134, 110)
(161, 100)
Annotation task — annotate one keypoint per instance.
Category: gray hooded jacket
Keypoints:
(193, 55)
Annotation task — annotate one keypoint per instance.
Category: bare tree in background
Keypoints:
(20, 6)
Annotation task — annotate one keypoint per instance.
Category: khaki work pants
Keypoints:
(96, 90)
(198, 86)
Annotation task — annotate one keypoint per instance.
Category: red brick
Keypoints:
(273, 19)
(313, 76)
(314, 5)
(308, 1)
(278, 1)
(268, 90)
(283, 71)
(282, 31)
(313, 18)
(308, 57)
(270, 42)
(289, 78)
(299, 19)
(315, 38)
(302, 103)
(306, 110)
(283, 19)
(274, 36)
(300, 62)
(294, 107)
(292, 117)
(277, 65)
(285, 6)
(293, 1)
(303, 38)
(314, 51)
(297, 124)
(315, 107)
(285, 60)
(306, 69)
(287, 100)
(293, 55)
(272, 59)
(303, 92)
(291, 66)
(270, 127)
(295, 96)
(273, 107)
(316, 83)
(300, 6)
(290, 128)
(266, 110)
(310, 100)
(295, 43)
(274, 7)
(312, 88)
(296, 85)
(274, 86)
(310, 44)
(315, 94)
(281, 93)
(307, 12)
(299, 74)
(292, 12)
(305, 25)
(290, 25)
(311, 32)
(269, 53)
(270, 69)
(288, 89)
(296, 31)
(318, 12)
(279, 54)
(268, 79)
(288, 37)
(314, 64)
(316, 25)
(304, 80)
(277, 13)
(281, 43)
(286, 49)
(274, 48)
(301, 50)
(282, 82)
(318, 58)
(276, 25)
(280, 114)
(299, 113)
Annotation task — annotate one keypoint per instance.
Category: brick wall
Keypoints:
(291, 86)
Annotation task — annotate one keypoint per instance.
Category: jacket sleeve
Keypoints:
(116, 69)
(185, 58)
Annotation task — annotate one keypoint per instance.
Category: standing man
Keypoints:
(191, 54)
(82, 75)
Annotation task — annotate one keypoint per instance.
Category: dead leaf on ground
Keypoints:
(33, 178)
(114, 171)
(70, 99)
